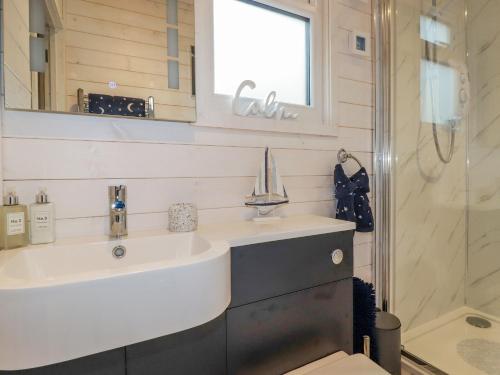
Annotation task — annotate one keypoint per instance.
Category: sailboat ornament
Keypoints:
(269, 191)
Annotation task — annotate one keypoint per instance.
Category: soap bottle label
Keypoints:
(15, 223)
(42, 220)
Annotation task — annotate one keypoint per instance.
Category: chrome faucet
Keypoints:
(118, 211)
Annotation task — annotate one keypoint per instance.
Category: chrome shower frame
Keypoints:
(383, 153)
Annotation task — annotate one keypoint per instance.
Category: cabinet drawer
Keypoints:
(270, 269)
(276, 335)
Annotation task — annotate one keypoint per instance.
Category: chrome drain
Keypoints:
(119, 251)
(478, 322)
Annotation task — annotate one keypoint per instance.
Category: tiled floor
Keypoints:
(455, 347)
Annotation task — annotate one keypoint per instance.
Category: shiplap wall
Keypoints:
(77, 157)
(16, 38)
(126, 42)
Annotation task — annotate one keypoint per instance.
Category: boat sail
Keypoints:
(269, 190)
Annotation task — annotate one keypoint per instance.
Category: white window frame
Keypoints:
(215, 110)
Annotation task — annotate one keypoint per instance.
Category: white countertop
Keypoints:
(242, 233)
(236, 233)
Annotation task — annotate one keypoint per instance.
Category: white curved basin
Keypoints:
(64, 301)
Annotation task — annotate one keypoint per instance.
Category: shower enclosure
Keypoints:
(438, 168)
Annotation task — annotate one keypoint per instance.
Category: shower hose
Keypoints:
(448, 157)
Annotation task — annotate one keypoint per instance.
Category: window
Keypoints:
(267, 45)
(284, 46)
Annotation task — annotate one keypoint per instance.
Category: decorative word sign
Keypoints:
(268, 109)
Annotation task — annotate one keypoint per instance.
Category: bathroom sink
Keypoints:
(64, 301)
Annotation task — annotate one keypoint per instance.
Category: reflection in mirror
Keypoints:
(103, 57)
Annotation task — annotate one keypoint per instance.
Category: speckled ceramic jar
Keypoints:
(182, 217)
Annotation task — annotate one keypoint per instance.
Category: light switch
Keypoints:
(360, 43)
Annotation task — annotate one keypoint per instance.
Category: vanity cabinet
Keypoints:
(291, 304)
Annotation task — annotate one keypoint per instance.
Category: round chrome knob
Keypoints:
(337, 256)
(119, 251)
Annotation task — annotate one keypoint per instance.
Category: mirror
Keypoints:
(102, 57)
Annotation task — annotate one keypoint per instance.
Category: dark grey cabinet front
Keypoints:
(271, 269)
(199, 350)
(111, 362)
(280, 334)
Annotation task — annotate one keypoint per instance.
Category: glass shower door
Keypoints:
(445, 198)
(429, 144)
(430, 193)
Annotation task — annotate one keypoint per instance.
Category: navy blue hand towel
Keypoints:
(352, 200)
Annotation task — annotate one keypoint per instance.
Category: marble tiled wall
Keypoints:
(483, 283)
(430, 216)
